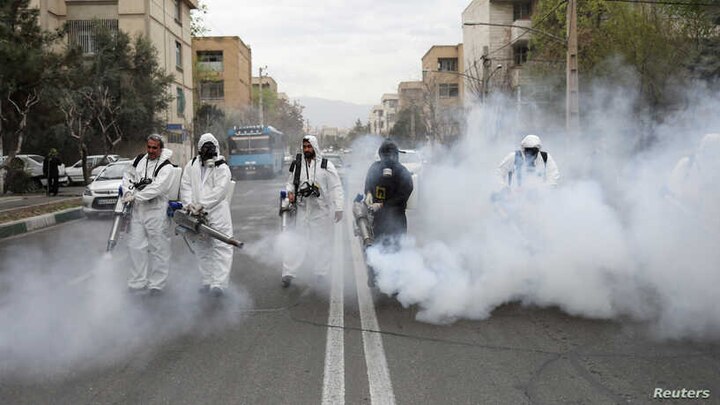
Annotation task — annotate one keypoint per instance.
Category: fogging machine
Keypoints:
(363, 227)
(197, 224)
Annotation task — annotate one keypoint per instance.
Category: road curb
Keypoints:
(38, 222)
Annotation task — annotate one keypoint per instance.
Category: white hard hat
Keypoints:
(531, 141)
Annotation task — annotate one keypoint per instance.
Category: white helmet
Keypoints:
(531, 141)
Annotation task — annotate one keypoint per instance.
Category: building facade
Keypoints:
(411, 95)
(389, 102)
(166, 23)
(223, 72)
(442, 68)
(376, 120)
(498, 53)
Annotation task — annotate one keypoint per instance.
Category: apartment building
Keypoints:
(223, 72)
(165, 22)
(411, 95)
(442, 68)
(268, 83)
(499, 52)
(376, 121)
(389, 102)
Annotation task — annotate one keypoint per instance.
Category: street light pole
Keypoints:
(260, 94)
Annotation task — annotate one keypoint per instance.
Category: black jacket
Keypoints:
(51, 167)
(393, 188)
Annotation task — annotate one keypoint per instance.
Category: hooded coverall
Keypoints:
(315, 215)
(207, 184)
(149, 236)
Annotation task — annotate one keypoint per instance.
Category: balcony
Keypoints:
(519, 32)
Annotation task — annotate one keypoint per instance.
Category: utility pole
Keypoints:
(572, 107)
(260, 94)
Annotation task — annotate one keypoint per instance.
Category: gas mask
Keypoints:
(207, 154)
(530, 155)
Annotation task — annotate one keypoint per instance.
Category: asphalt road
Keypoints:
(72, 335)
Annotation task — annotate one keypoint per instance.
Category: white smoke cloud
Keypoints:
(605, 244)
(54, 322)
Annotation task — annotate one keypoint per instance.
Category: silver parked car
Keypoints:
(101, 195)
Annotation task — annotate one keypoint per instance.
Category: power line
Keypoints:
(665, 3)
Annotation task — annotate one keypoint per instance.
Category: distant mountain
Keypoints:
(333, 113)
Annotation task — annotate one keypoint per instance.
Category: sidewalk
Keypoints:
(20, 213)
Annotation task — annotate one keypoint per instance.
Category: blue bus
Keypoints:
(256, 151)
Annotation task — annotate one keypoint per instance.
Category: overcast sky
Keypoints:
(349, 50)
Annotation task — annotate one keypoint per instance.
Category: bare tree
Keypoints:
(78, 121)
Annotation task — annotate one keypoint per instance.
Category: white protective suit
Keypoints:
(514, 171)
(315, 216)
(695, 180)
(208, 186)
(149, 236)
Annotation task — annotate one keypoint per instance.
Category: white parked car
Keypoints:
(34, 167)
(75, 172)
(413, 161)
(101, 194)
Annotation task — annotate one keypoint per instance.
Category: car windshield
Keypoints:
(410, 158)
(36, 158)
(113, 172)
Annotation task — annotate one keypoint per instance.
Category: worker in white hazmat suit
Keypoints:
(205, 185)
(528, 167)
(694, 184)
(319, 202)
(147, 185)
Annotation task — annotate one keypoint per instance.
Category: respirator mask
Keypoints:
(208, 152)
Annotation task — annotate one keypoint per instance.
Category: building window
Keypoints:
(81, 33)
(522, 11)
(447, 64)
(178, 55)
(448, 90)
(210, 60)
(212, 89)
(520, 54)
(178, 11)
(174, 137)
(180, 102)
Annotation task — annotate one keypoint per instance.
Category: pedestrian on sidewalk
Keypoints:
(51, 171)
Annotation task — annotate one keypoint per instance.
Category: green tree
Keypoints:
(357, 131)
(209, 118)
(113, 94)
(197, 20)
(25, 64)
(288, 118)
(409, 127)
(651, 39)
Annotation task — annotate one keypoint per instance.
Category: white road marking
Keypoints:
(334, 374)
(380, 384)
